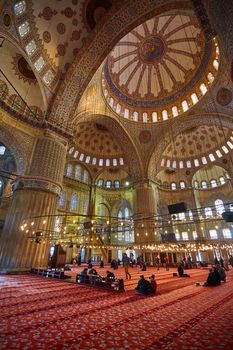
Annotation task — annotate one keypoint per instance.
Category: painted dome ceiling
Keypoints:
(96, 145)
(19, 88)
(197, 146)
(157, 66)
(52, 33)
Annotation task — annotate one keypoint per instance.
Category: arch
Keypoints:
(19, 154)
(11, 39)
(81, 71)
(177, 127)
(131, 154)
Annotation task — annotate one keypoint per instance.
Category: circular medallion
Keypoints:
(152, 49)
(46, 37)
(145, 136)
(224, 96)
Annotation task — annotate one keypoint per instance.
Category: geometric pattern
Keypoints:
(47, 314)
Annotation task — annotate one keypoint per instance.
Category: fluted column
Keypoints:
(35, 194)
(145, 209)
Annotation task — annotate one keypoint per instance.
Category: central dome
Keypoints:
(163, 65)
(151, 49)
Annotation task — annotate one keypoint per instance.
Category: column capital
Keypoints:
(35, 183)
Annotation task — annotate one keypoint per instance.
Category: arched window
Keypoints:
(69, 170)
(213, 234)
(164, 114)
(125, 231)
(185, 236)
(175, 111)
(154, 117)
(210, 77)
(196, 184)
(222, 180)
(226, 233)
(185, 106)
(120, 228)
(77, 173)
(173, 186)
(190, 215)
(19, 7)
(203, 89)
(62, 200)
(194, 98)
(208, 213)
(182, 184)
(100, 183)
(74, 202)
(85, 205)
(117, 184)
(85, 176)
(108, 184)
(181, 216)
(219, 206)
(213, 183)
(135, 116)
(204, 184)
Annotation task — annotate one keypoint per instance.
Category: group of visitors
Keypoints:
(146, 287)
(92, 275)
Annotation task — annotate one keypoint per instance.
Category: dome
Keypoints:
(160, 69)
(95, 145)
(197, 146)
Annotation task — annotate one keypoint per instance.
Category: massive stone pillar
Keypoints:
(145, 209)
(35, 194)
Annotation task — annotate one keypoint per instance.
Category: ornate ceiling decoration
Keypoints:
(95, 145)
(197, 146)
(19, 77)
(152, 72)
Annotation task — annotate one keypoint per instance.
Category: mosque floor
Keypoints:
(38, 313)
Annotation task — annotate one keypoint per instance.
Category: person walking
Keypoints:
(126, 264)
(166, 260)
(157, 261)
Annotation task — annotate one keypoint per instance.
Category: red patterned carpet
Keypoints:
(46, 314)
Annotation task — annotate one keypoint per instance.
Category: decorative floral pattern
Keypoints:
(32, 318)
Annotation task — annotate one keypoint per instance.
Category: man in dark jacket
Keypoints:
(143, 287)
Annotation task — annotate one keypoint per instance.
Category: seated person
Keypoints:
(110, 275)
(221, 272)
(143, 287)
(153, 283)
(213, 278)
(101, 263)
(83, 275)
(92, 275)
(180, 270)
(143, 266)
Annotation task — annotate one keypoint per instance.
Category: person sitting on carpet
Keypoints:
(101, 264)
(180, 270)
(144, 287)
(83, 275)
(153, 283)
(213, 278)
(92, 275)
(221, 272)
(110, 274)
